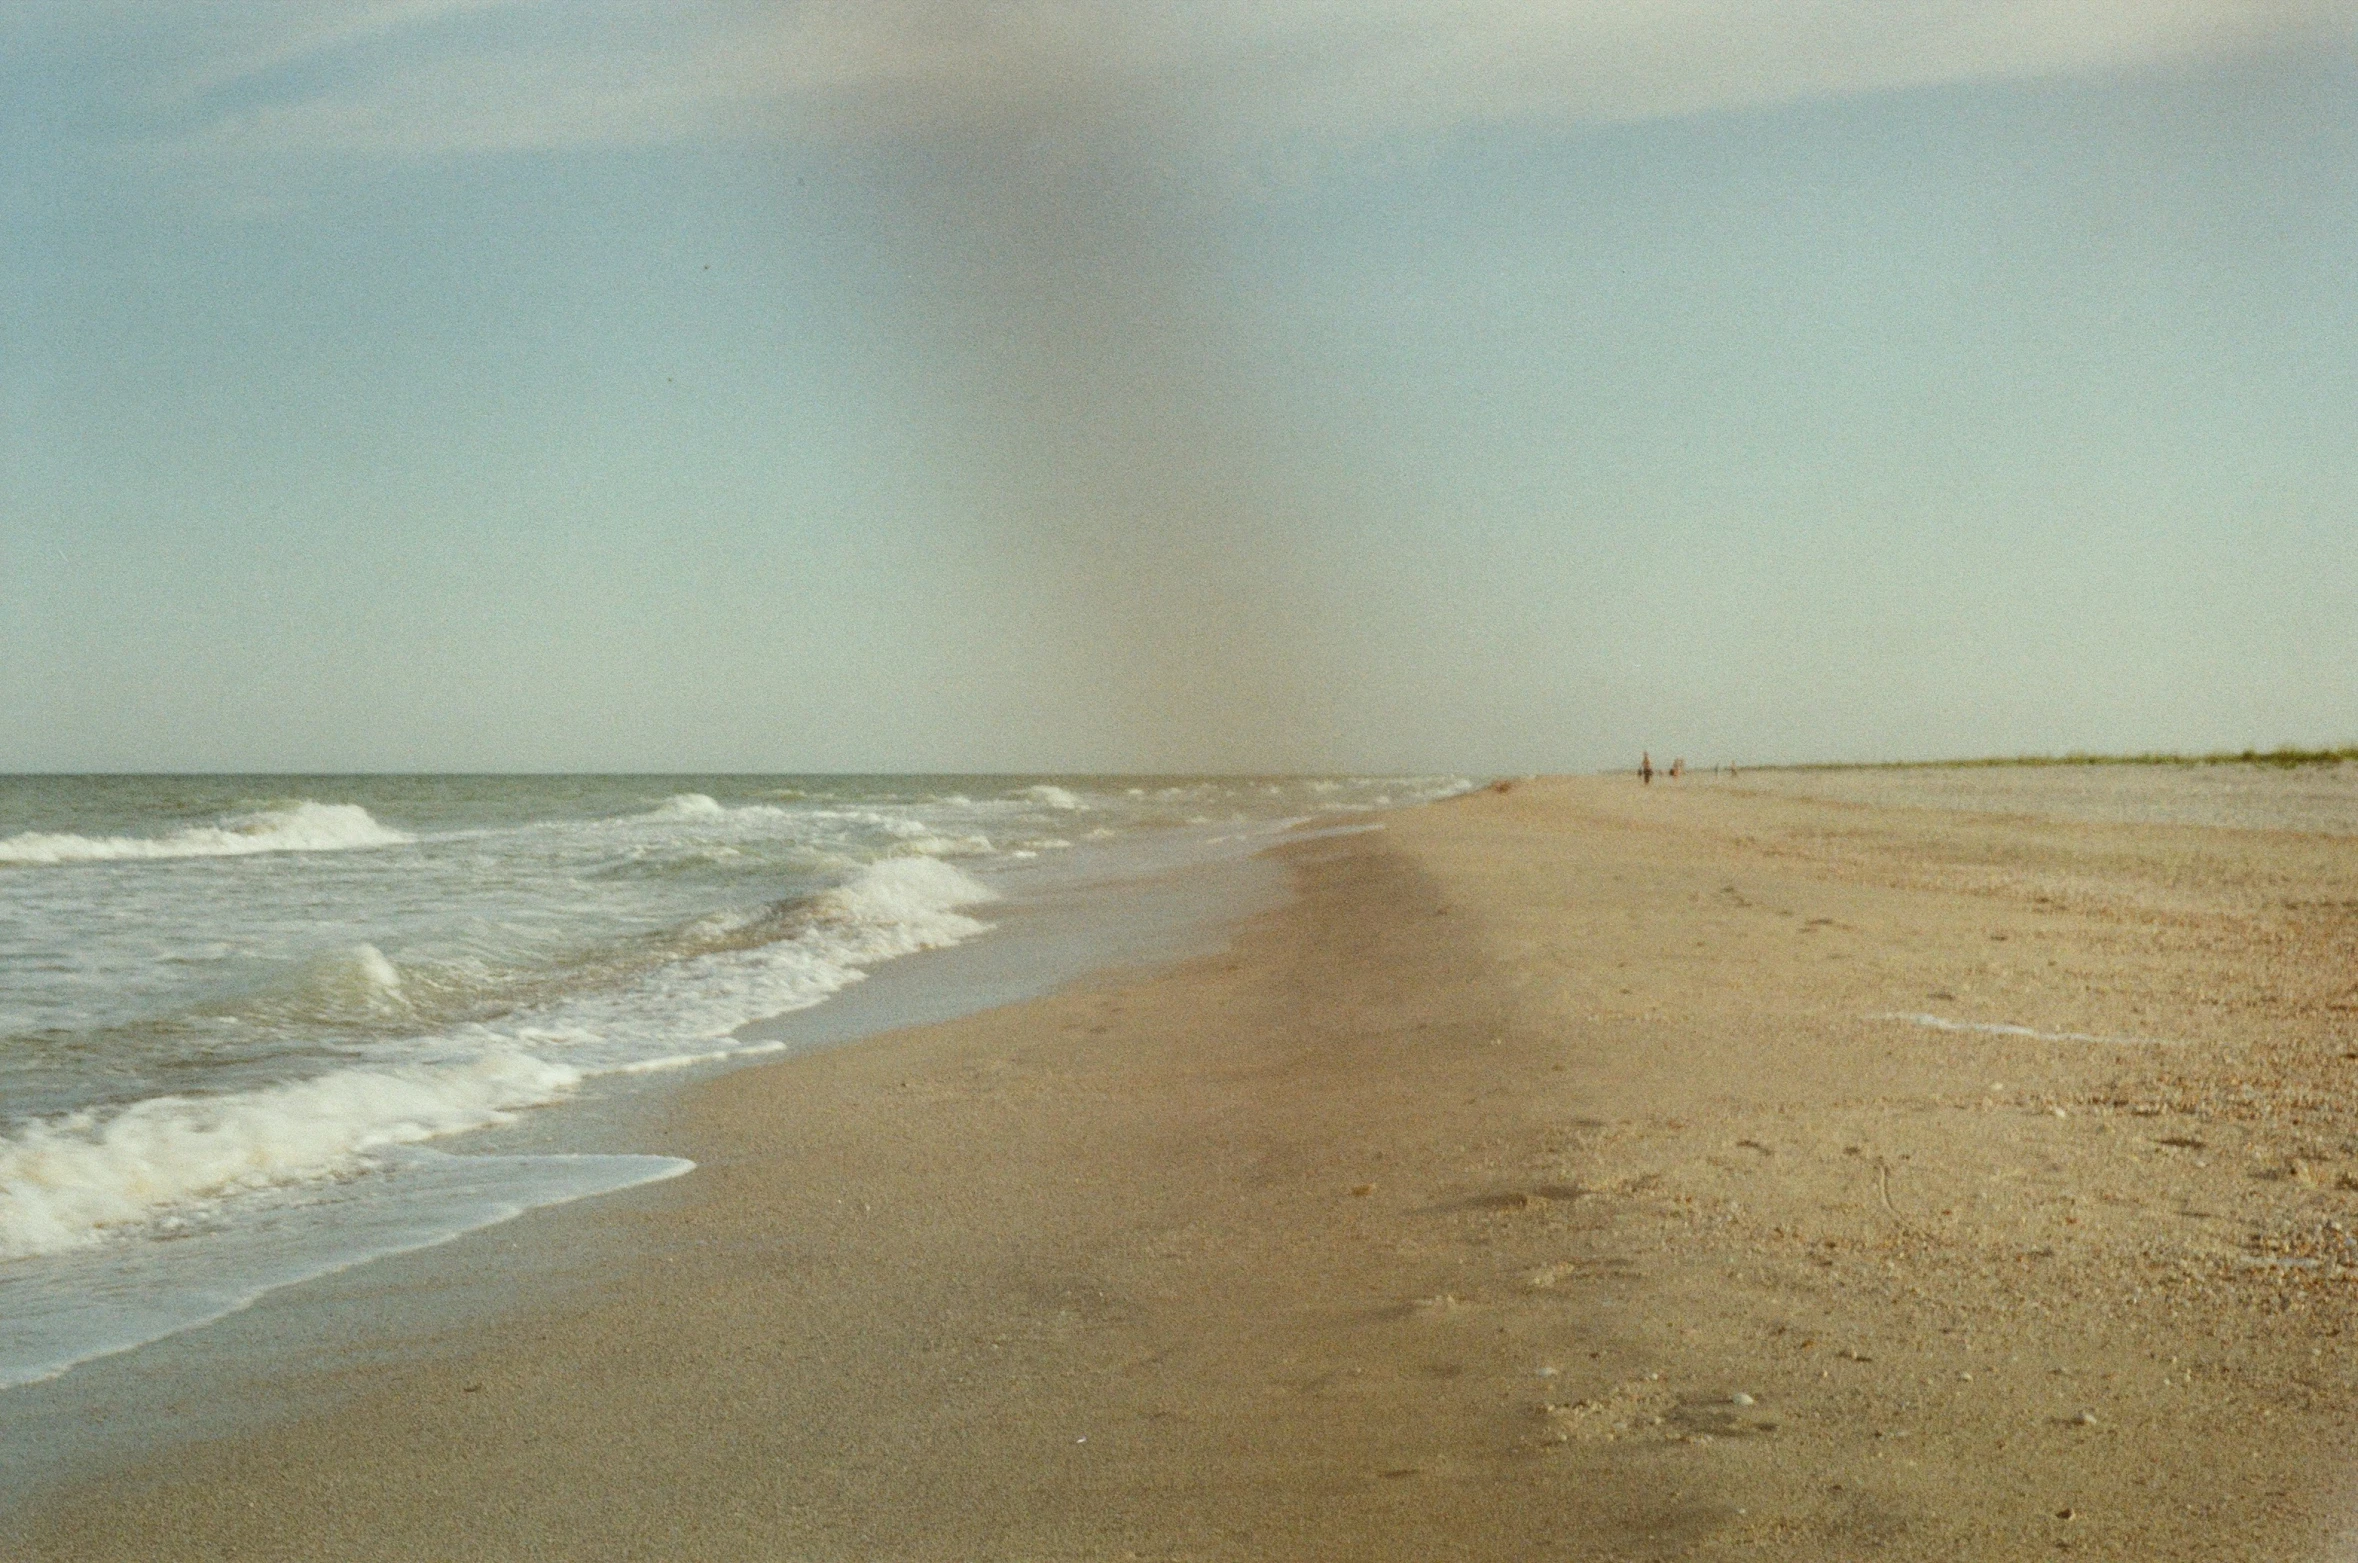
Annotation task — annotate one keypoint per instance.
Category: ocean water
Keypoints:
(247, 1024)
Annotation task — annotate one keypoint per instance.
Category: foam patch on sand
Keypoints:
(2001, 1029)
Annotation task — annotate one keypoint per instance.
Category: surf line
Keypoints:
(2001, 1029)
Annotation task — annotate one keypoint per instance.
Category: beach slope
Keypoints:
(1576, 1170)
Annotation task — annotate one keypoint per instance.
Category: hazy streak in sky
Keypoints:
(1104, 418)
(1423, 384)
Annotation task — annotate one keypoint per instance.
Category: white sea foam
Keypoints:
(354, 983)
(1297, 833)
(105, 1298)
(318, 1017)
(690, 1007)
(697, 807)
(931, 845)
(718, 1055)
(298, 827)
(65, 1181)
(912, 898)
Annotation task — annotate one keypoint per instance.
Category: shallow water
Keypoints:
(248, 1024)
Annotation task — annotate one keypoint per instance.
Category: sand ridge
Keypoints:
(1551, 1179)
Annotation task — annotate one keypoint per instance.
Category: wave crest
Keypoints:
(303, 826)
(913, 897)
(65, 1181)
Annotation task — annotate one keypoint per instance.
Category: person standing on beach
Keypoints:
(1645, 767)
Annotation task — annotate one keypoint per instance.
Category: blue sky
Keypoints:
(434, 384)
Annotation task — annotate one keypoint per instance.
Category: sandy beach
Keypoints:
(1577, 1170)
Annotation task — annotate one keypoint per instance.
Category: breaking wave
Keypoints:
(68, 1180)
(303, 826)
(64, 1181)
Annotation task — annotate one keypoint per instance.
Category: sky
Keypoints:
(1179, 385)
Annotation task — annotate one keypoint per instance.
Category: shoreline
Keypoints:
(228, 1086)
(197, 1380)
(1539, 1182)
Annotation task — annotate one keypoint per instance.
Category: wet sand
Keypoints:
(1550, 1179)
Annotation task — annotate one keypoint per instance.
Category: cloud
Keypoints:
(420, 77)
(1368, 67)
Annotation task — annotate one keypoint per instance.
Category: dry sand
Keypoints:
(1544, 1182)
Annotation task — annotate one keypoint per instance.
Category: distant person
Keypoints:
(1645, 768)
(1678, 768)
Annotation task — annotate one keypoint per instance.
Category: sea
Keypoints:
(258, 1029)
